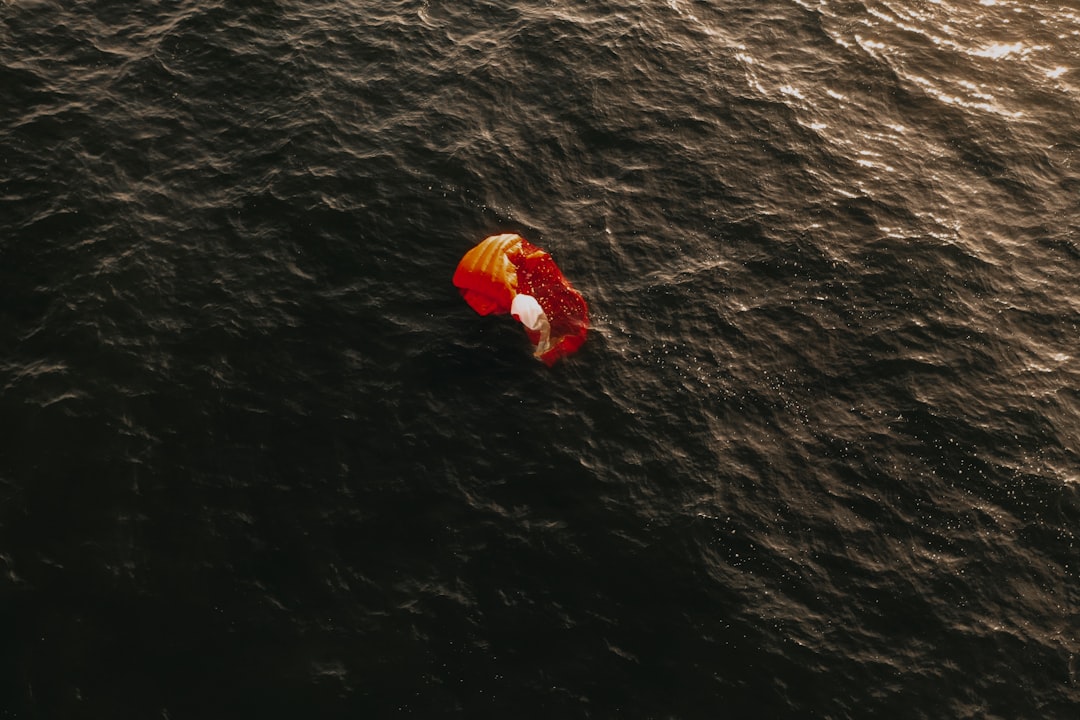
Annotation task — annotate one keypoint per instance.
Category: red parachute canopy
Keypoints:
(501, 267)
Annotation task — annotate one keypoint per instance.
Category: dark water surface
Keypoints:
(820, 456)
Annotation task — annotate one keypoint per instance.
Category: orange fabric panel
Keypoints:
(486, 278)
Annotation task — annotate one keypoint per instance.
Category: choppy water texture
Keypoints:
(818, 458)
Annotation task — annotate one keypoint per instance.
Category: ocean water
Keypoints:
(819, 457)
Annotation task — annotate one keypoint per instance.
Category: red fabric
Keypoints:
(539, 276)
(503, 265)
